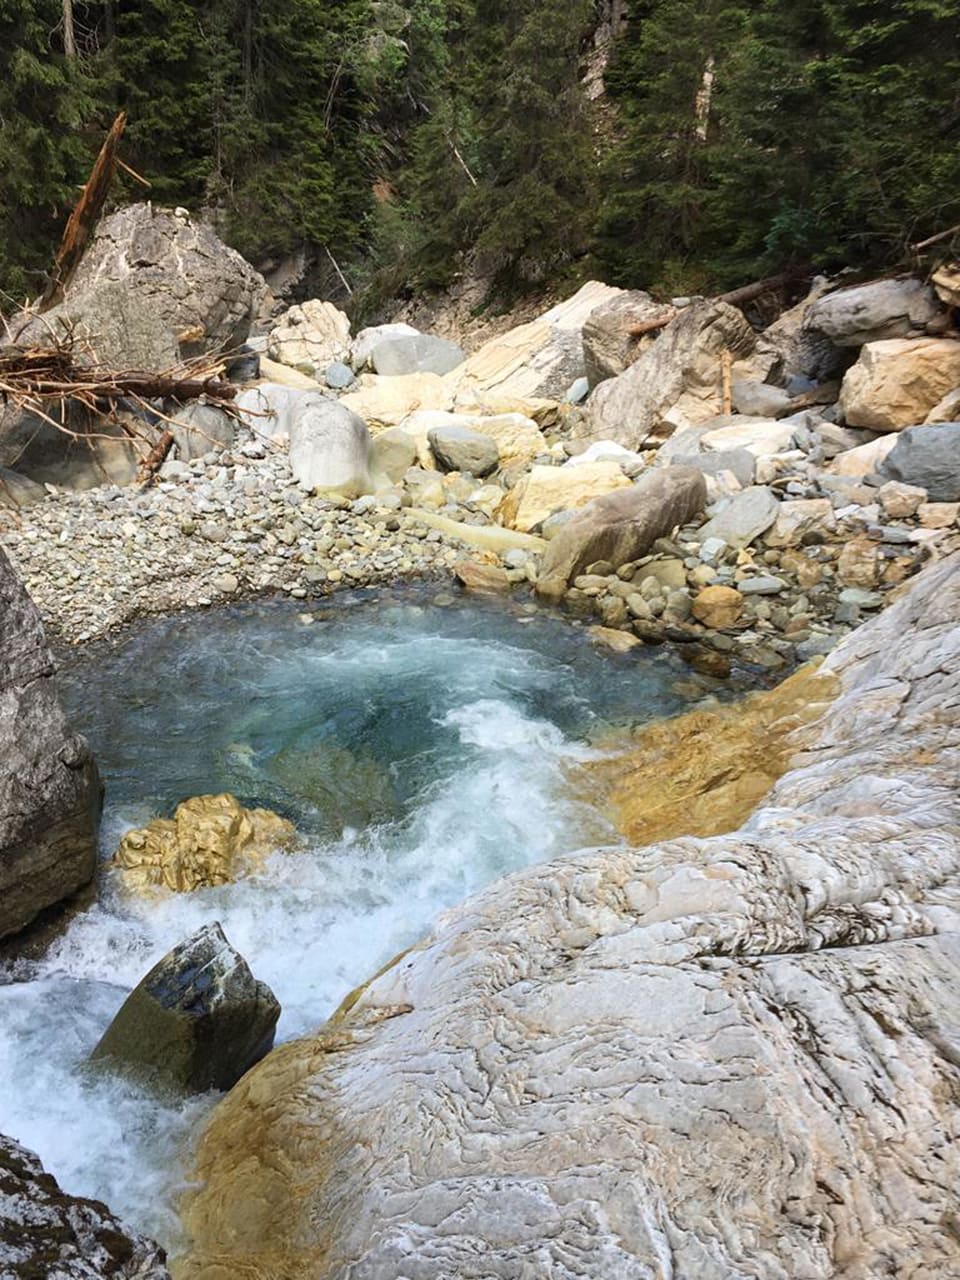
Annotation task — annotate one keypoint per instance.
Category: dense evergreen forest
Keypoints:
(414, 139)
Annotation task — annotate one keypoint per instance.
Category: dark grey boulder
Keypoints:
(927, 456)
(50, 791)
(416, 353)
(46, 1234)
(873, 312)
(197, 1021)
(460, 449)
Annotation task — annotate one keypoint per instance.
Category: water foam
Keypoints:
(474, 728)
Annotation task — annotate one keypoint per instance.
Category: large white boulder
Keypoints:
(329, 448)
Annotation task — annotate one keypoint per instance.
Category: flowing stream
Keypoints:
(420, 750)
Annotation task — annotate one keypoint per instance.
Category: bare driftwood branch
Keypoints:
(735, 298)
(85, 215)
(931, 240)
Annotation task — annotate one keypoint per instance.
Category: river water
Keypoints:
(421, 752)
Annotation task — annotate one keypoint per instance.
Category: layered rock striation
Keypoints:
(49, 787)
(712, 1058)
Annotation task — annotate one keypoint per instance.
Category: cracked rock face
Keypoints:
(155, 287)
(46, 1233)
(49, 787)
(707, 1059)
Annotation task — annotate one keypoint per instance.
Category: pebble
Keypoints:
(764, 585)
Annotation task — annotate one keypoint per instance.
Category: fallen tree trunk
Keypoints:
(735, 298)
(85, 215)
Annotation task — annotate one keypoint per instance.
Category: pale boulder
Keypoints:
(896, 384)
(799, 517)
(544, 490)
(900, 501)
(946, 281)
(863, 460)
(386, 402)
(329, 448)
(676, 381)
(539, 359)
(310, 336)
(762, 437)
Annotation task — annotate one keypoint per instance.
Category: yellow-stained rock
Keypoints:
(518, 438)
(544, 490)
(210, 840)
(704, 772)
(476, 575)
(896, 383)
(859, 563)
(718, 607)
(614, 639)
(385, 402)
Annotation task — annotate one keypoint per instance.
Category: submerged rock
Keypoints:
(711, 1058)
(46, 1234)
(199, 1019)
(49, 787)
(210, 840)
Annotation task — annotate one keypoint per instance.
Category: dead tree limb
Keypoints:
(85, 215)
(931, 240)
(155, 458)
(735, 298)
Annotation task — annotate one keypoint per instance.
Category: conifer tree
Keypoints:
(44, 152)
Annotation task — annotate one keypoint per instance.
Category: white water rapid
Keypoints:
(421, 752)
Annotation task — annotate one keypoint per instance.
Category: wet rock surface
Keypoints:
(199, 1019)
(46, 1234)
(49, 787)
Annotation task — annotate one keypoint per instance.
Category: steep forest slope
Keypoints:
(413, 139)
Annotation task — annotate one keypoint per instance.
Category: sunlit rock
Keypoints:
(210, 840)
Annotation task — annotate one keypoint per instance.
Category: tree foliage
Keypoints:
(430, 137)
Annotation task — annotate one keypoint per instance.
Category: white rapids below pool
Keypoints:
(472, 713)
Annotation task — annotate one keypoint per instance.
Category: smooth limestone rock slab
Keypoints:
(873, 312)
(724, 1058)
(539, 359)
(46, 1234)
(50, 790)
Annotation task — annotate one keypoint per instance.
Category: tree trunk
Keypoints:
(69, 33)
